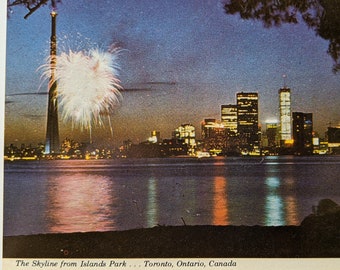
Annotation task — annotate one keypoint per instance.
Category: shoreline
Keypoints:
(161, 242)
(175, 242)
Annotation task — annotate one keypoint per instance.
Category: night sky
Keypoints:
(180, 60)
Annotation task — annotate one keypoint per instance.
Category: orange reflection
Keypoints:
(291, 211)
(291, 204)
(80, 203)
(220, 201)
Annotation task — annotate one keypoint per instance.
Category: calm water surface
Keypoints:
(101, 195)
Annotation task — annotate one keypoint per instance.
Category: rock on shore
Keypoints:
(321, 231)
(318, 236)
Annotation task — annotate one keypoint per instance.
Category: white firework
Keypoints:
(88, 87)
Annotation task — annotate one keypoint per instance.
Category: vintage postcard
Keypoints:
(197, 134)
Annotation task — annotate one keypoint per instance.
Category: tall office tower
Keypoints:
(52, 131)
(186, 133)
(285, 114)
(248, 121)
(229, 118)
(303, 133)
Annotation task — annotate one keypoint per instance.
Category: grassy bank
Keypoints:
(167, 242)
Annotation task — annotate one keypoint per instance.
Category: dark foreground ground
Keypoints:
(318, 236)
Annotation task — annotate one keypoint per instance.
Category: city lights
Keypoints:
(236, 133)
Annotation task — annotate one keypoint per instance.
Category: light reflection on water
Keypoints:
(220, 211)
(281, 203)
(152, 207)
(102, 195)
(79, 203)
(291, 211)
(274, 206)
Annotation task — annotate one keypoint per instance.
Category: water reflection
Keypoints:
(220, 211)
(152, 206)
(189, 201)
(291, 211)
(81, 196)
(80, 202)
(280, 202)
(274, 212)
(291, 203)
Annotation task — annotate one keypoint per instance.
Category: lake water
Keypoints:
(102, 195)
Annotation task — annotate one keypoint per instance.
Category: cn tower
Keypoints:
(52, 145)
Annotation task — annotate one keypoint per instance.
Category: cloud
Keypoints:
(34, 116)
(161, 83)
(136, 89)
(9, 102)
(27, 94)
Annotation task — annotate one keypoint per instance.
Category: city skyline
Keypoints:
(246, 113)
(179, 64)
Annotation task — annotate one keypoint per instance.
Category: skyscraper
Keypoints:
(52, 131)
(248, 121)
(229, 117)
(303, 133)
(285, 114)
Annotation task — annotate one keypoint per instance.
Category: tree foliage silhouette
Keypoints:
(31, 5)
(323, 16)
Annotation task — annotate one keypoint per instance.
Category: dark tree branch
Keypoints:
(31, 5)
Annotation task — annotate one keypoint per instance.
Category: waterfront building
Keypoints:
(155, 137)
(270, 140)
(229, 120)
(285, 114)
(229, 117)
(213, 136)
(186, 134)
(207, 128)
(175, 147)
(272, 133)
(248, 122)
(333, 137)
(303, 133)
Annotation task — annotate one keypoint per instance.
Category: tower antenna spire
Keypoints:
(284, 76)
(52, 130)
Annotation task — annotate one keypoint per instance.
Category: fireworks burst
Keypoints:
(88, 86)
